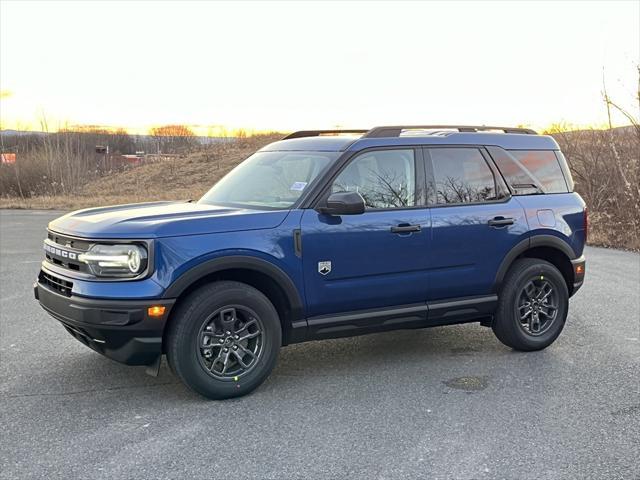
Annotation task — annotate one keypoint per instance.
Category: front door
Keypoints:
(378, 258)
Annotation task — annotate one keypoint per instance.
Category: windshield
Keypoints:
(273, 180)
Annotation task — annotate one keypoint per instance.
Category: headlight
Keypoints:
(124, 260)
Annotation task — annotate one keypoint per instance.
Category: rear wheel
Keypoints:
(224, 340)
(532, 306)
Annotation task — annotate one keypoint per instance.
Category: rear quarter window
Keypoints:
(521, 168)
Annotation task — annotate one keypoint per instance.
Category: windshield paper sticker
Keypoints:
(298, 186)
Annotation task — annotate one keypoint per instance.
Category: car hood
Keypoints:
(163, 219)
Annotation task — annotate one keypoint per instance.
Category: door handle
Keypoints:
(501, 221)
(405, 228)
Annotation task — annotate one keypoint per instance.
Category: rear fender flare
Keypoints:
(527, 244)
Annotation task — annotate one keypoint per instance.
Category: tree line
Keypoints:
(58, 163)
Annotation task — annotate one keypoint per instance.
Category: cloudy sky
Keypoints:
(300, 65)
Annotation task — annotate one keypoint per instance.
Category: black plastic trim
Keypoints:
(578, 280)
(422, 315)
(239, 261)
(462, 308)
(118, 329)
(317, 133)
(509, 258)
(297, 242)
(396, 130)
(96, 311)
(551, 241)
(527, 244)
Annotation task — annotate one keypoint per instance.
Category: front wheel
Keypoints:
(532, 306)
(224, 340)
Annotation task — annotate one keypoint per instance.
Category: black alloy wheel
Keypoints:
(537, 306)
(229, 343)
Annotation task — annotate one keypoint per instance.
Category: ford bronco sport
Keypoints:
(321, 235)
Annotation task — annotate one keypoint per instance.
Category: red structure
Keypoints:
(7, 158)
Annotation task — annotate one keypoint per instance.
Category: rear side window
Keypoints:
(544, 165)
(524, 170)
(461, 175)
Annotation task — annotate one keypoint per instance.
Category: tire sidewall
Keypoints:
(187, 363)
(518, 282)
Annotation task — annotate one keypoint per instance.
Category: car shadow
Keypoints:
(423, 350)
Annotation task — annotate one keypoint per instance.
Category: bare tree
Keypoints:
(174, 138)
(606, 167)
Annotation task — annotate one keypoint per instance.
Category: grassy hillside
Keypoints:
(174, 178)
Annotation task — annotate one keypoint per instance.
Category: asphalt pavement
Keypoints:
(441, 403)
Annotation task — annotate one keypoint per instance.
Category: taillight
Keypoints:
(585, 223)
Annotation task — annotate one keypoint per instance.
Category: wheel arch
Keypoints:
(269, 279)
(546, 247)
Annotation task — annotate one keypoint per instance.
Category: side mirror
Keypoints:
(343, 203)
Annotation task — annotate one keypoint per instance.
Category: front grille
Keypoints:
(66, 244)
(56, 284)
(74, 243)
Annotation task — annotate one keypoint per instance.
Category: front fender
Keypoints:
(236, 261)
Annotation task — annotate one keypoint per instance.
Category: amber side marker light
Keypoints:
(156, 311)
(580, 269)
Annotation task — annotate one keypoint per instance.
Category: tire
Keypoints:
(530, 275)
(229, 313)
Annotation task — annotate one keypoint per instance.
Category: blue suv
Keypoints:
(326, 234)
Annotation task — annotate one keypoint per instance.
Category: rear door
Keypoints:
(376, 259)
(475, 221)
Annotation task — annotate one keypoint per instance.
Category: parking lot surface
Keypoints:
(441, 403)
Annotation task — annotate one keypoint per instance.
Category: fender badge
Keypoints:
(324, 268)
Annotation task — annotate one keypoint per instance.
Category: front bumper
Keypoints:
(118, 329)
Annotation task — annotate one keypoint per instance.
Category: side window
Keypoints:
(461, 175)
(544, 165)
(524, 169)
(384, 178)
(520, 180)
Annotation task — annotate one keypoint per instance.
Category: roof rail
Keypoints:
(396, 131)
(317, 133)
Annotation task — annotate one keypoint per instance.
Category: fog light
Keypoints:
(156, 311)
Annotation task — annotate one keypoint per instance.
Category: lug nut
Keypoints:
(221, 340)
(235, 347)
(226, 350)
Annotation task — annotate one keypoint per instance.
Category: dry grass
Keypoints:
(183, 178)
(170, 179)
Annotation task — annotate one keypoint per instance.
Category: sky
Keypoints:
(287, 66)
